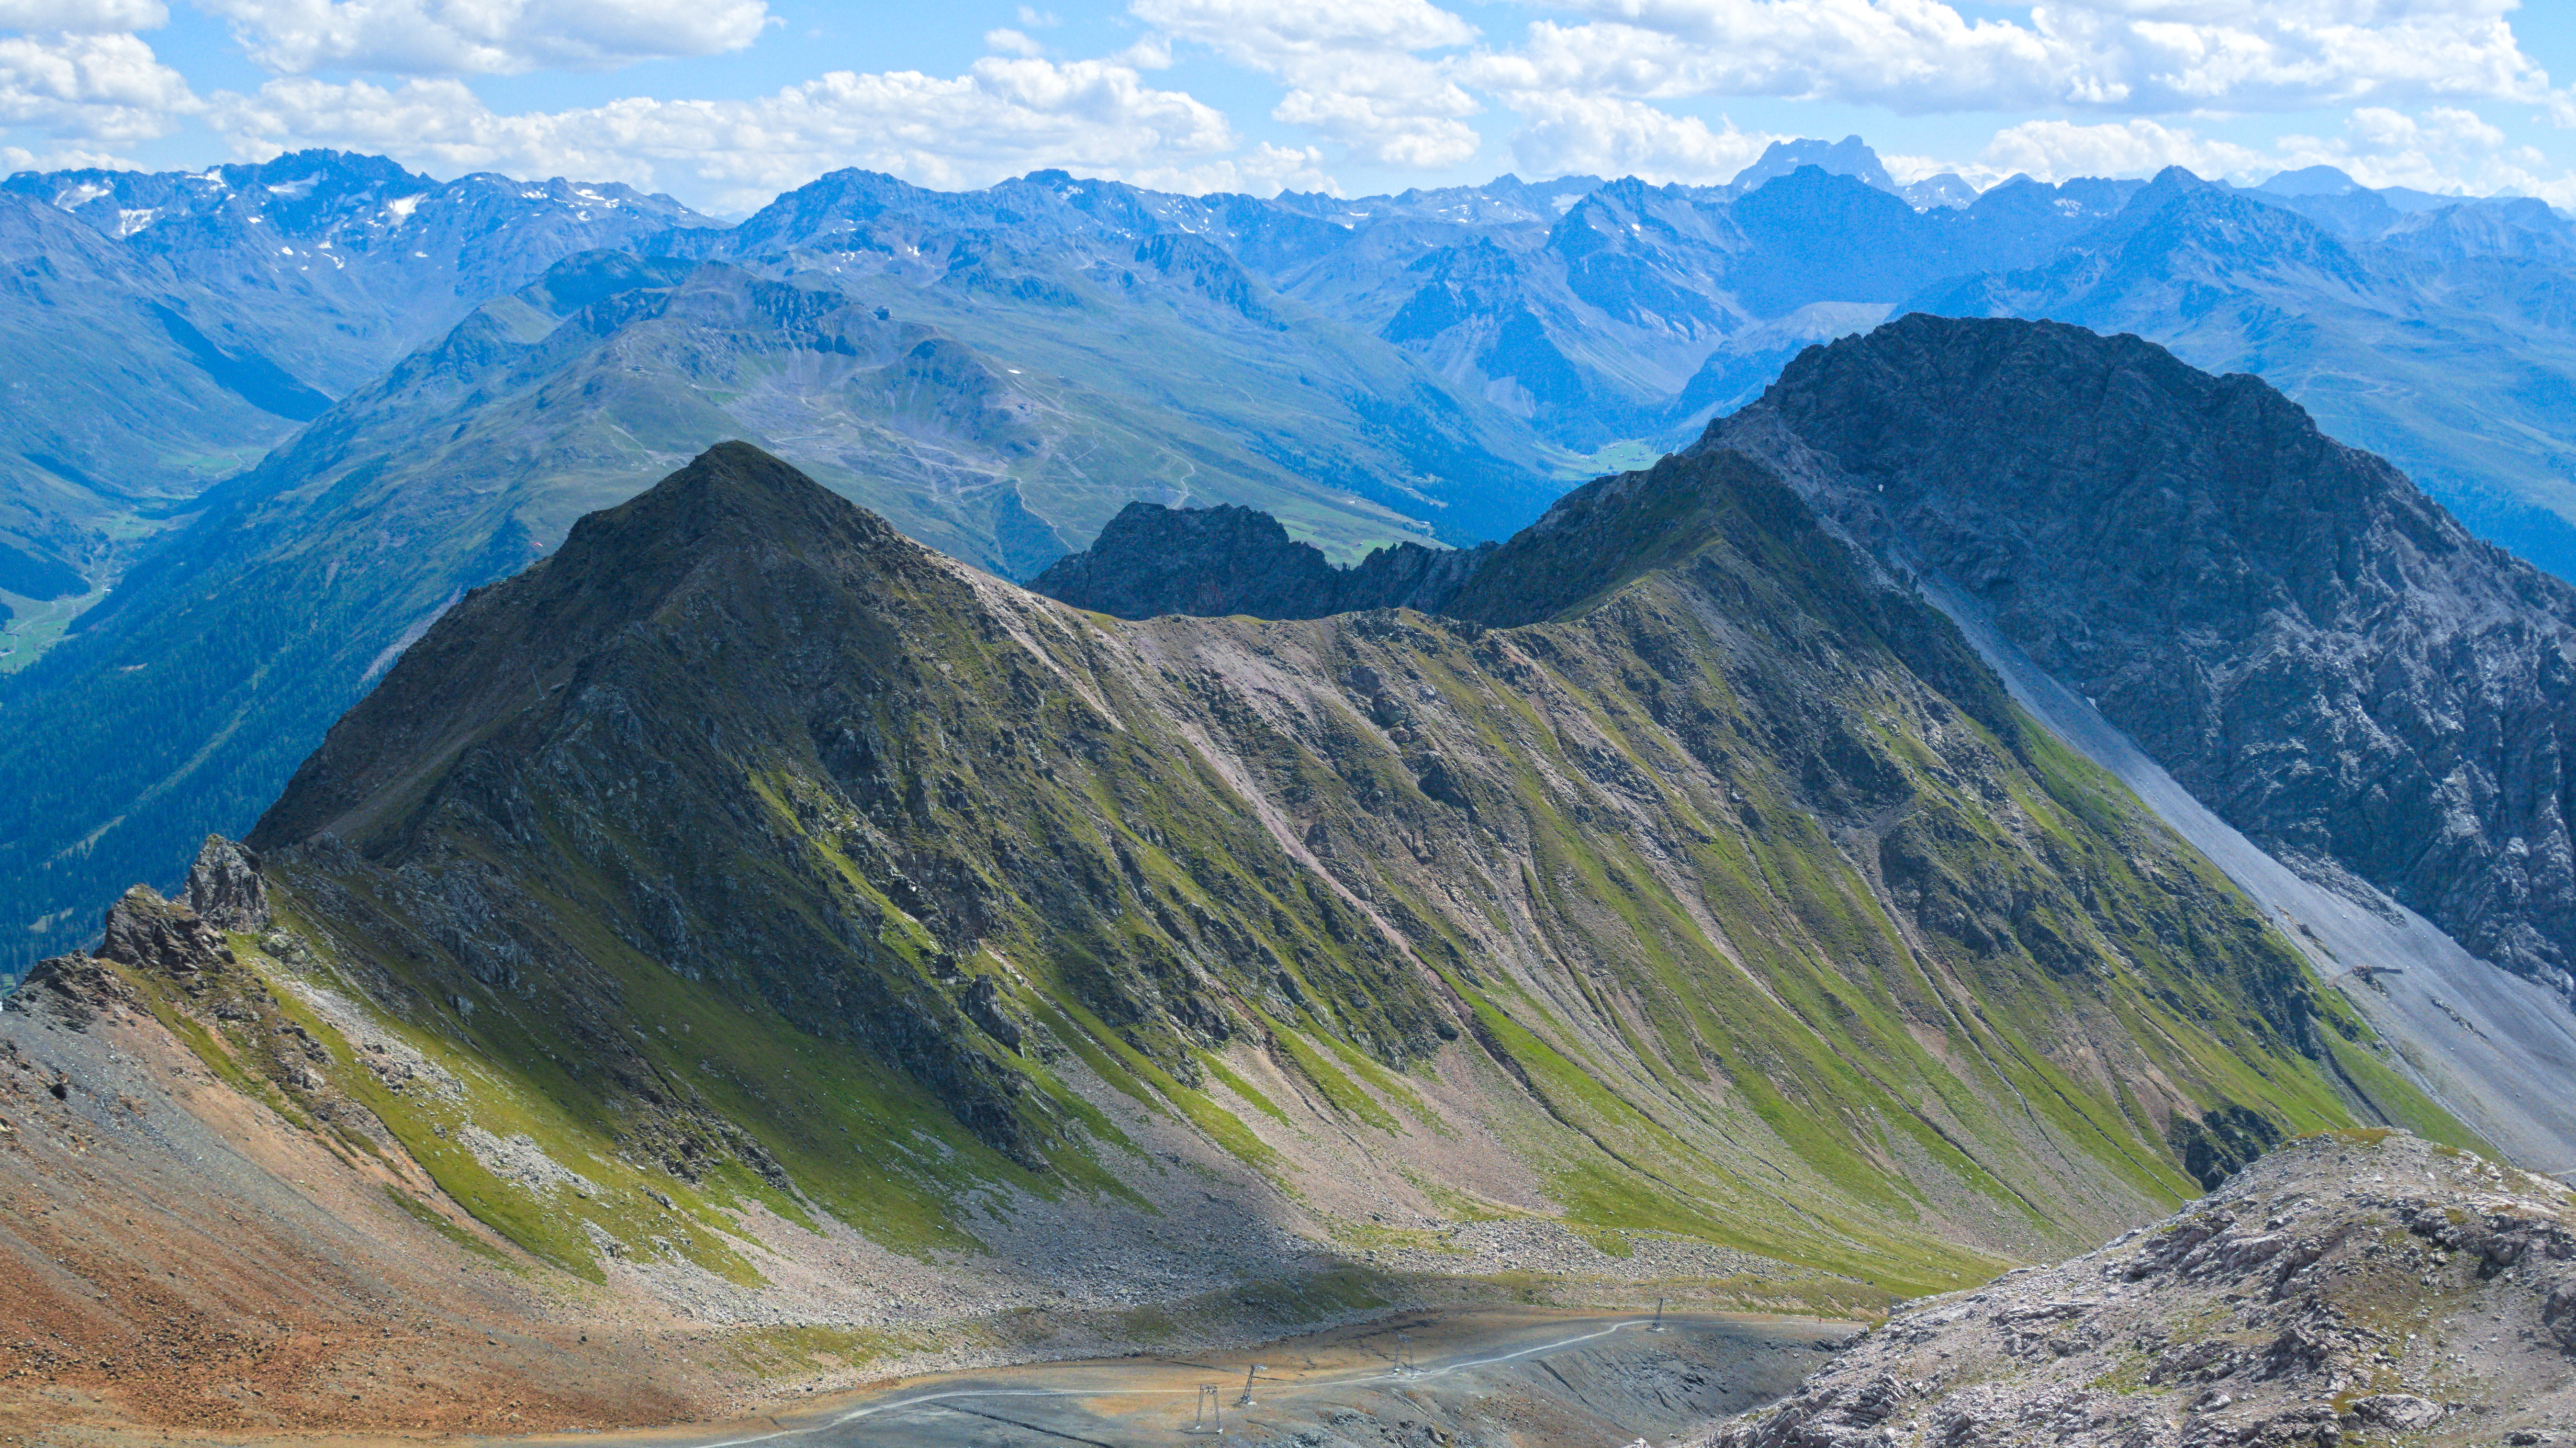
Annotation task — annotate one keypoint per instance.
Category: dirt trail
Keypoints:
(1504, 1379)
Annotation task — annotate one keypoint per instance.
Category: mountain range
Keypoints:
(744, 907)
(1977, 796)
(999, 373)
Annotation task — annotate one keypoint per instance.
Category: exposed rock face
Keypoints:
(163, 936)
(2356, 1283)
(2307, 642)
(147, 933)
(1212, 562)
(224, 886)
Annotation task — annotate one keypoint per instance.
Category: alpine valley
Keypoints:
(933, 781)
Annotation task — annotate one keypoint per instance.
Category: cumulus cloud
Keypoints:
(483, 37)
(1353, 68)
(1567, 134)
(83, 17)
(2138, 56)
(2058, 150)
(2446, 149)
(108, 88)
(19, 158)
(2441, 149)
(1005, 116)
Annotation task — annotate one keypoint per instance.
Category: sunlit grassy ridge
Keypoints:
(744, 852)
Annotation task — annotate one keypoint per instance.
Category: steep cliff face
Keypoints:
(1211, 562)
(2310, 644)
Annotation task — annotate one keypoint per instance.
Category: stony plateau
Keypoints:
(747, 934)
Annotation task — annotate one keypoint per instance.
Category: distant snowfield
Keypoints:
(2494, 1049)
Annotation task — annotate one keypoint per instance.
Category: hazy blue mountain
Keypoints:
(343, 263)
(1850, 156)
(165, 330)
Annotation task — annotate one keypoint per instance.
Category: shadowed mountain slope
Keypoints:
(2446, 345)
(2310, 645)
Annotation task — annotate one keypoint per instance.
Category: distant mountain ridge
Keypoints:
(164, 330)
(1209, 562)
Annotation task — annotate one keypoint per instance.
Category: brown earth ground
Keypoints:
(182, 1266)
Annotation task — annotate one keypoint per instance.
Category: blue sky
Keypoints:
(726, 102)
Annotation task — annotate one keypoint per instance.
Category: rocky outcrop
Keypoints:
(2313, 647)
(165, 937)
(144, 932)
(225, 888)
(1212, 562)
(2355, 1283)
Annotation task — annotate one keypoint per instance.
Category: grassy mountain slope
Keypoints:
(1732, 901)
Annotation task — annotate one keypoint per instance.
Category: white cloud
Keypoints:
(19, 158)
(1010, 42)
(484, 37)
(1568, 134)
(2445, 149)
(2059, 150)
(1274, 34)
(2139, 56)
(2441, 149)
(103, 88)
(1353, 69)
(83, 17)
(1002, 118)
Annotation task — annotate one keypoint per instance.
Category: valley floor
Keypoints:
(1502, 1377)
(1495, 1376)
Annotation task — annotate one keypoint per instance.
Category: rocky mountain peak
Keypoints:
(1850, 156)
(734, 519)
(2316, 649)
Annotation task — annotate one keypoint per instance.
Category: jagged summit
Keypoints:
(2310, 644)
(1851, 156)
